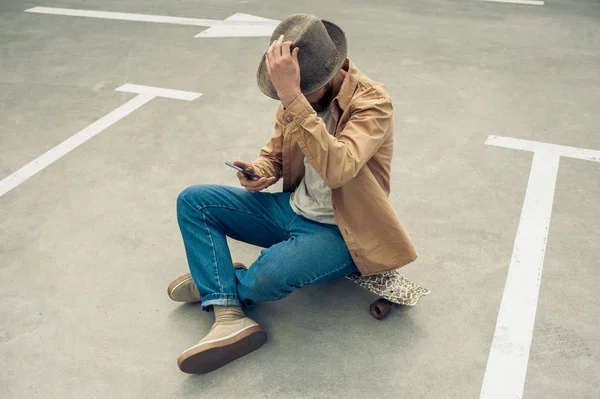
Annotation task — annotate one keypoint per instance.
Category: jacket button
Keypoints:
(290, 119)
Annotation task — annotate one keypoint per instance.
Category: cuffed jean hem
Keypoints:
(220, 300)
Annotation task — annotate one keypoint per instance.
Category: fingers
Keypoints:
(252, 185)
(269, 70)
(246, 166)
(295, 54)
(261, 186)
(274, 53)
(256, 185)
(243, 165)
(270, 53)
(286, 50)
(277, 49)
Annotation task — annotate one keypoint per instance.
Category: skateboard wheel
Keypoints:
(380, 308)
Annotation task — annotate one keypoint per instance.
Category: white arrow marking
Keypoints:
(507, 363)
(241, 25)
(145, 94)
(235, 25)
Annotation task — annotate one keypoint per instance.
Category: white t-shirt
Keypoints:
(312, 198)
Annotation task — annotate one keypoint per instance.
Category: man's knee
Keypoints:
(267, 279)
(193, 196)
(267, 284)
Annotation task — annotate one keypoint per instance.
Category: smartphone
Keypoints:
(246, 172)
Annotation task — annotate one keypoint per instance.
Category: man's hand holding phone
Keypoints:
(253, 185)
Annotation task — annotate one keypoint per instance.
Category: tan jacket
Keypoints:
(355, 161)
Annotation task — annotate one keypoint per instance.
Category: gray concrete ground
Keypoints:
(88, 246)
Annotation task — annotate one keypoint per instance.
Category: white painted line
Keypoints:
(124, 16)
(160, 92)
(533, 146)
(509, 354)
(146, 94)
(525, 2)
(235, 25)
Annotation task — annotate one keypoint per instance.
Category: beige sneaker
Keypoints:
(225, 342)
(183, 289)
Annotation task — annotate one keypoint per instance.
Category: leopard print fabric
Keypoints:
(392, 286)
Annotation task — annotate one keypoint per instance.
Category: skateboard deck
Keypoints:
(392, 287)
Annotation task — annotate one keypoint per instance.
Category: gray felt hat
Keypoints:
(323, 51)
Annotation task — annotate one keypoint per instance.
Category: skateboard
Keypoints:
(393, 289)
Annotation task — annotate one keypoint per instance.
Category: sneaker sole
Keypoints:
(173, 286)
(209, 356)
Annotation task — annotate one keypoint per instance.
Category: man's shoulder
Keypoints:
(367, 88)
(369, 94)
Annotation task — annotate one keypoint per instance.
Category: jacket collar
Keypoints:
(348, 85)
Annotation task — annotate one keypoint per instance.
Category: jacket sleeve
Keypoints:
(339, 159)
(270, 163)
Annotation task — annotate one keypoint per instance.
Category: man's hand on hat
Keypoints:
(284, 70)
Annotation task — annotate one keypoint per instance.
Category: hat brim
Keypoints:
(339, 40)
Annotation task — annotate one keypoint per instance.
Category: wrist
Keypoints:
(288, 98)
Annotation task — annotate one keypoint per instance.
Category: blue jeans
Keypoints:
(298, 251)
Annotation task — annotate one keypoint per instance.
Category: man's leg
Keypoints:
(313, 254)
(207, 214)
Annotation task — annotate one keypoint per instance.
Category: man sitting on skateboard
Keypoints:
(332, 144)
